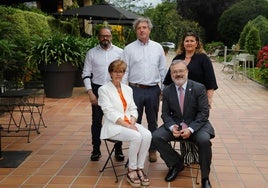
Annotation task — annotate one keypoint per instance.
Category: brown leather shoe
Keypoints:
(152, 156)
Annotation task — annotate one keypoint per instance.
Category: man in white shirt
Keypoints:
(146, 69)
(95, 74)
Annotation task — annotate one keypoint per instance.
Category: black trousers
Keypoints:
(161, 138)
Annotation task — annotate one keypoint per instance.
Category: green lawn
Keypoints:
(256, 78)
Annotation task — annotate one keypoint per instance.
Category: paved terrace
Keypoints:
(60, 154)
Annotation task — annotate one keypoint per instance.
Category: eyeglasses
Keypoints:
(178, 71)
(119, 71)
(105, 36)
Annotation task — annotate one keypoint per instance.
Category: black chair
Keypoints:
(6, 107)
(113, 165)
(37, 101)
(7, 104)
(24, 105)
(189, 152)
(1, 128)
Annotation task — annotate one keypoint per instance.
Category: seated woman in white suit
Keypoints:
(120, 114)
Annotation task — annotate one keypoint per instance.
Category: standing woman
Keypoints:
(199, 64)
(120, 116)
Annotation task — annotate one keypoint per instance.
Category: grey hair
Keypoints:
(142, 19)
(177, 61)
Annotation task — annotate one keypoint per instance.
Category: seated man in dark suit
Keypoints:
(190, 123)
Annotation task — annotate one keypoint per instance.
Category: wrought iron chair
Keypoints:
(37, 101)
(113, 165)
(189, 152)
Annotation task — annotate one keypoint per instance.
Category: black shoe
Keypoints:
(206, 183)
(95, 155)
(119, 156)
(173, 172)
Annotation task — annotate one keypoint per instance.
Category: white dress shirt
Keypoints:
(97, 62)
(146, 63)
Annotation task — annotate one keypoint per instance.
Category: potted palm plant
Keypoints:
(57, 57)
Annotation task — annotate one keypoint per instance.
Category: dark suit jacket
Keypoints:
(196, 109)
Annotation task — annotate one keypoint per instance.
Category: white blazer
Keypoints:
(110, 102)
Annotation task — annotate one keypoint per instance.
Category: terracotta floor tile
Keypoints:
(60, 155)
(38, 179)
(64, 180)
(69, 171)
(14, 180)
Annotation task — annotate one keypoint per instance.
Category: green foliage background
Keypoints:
(19, 30)
(233, 20)
(170, 26)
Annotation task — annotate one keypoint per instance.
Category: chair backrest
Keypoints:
(10, 85)
(216, 53)
(233, 59)
(39, 95)
(34, 85)
(232, 62)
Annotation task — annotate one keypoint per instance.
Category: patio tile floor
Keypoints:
(61, 153)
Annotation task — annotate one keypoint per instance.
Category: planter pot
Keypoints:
(78, 82)
(59, 80)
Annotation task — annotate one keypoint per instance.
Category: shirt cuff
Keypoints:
(192, 131)
(171, 128)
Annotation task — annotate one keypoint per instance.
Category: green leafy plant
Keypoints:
(58, 49)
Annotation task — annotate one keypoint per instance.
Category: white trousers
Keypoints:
(139, 143)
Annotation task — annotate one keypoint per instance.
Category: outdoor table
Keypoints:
(246, 59)
(17, 101)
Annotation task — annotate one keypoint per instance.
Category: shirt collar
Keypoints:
(142, 44)
(183, 86)
(100, 48)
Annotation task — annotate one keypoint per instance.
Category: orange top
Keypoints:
(124, 105)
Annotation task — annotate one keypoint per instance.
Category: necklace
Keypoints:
(189, 57)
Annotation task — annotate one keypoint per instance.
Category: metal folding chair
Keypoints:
(189, 152)
(29, 104)
(1, 128)
(110, 150)
(7, 105)
(36, 102)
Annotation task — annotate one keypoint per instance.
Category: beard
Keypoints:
(179, 80)
(105, 44)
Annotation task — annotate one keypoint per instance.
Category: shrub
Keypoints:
(261, 23)
(253, 41)
(263, 64)
(19, 30)
(211, 47)
(243, 35)
(233, 20)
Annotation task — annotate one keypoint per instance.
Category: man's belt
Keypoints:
(141, 85)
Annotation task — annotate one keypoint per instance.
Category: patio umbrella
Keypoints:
(98, 12)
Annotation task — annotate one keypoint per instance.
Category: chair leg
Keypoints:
(1, 128)
(197, 174)
(113, 166)
(184, 152)
(110, 159)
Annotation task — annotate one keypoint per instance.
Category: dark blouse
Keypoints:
(200, 70)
